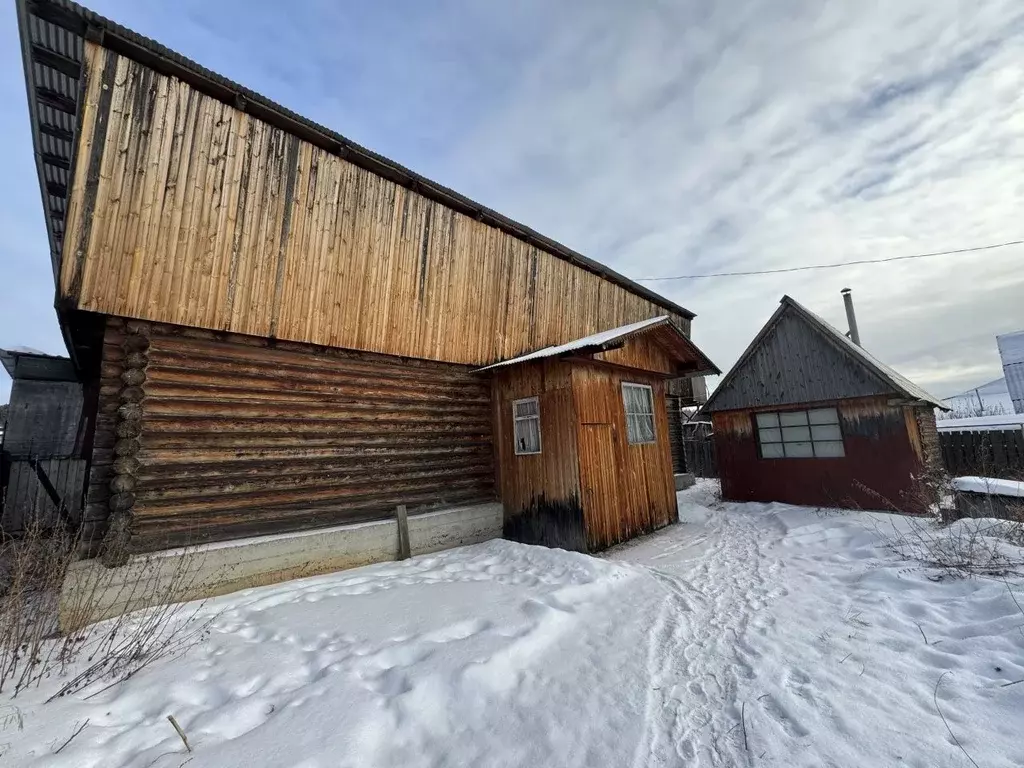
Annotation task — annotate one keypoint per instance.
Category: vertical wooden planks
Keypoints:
(207, 217)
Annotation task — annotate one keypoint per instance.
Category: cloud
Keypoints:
(660, 138)
(761, 135)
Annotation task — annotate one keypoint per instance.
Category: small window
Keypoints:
(526, 418)
(800, 434)
(639, 402)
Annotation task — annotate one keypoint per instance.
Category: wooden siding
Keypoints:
(26, 502)
(240, 437)
(188, 211)
(44, 419)
(644, 484)
(795, 363)
(642, 352)
(540, 492)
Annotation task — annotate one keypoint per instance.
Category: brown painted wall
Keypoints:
(237, 436)
(879, 470)
(540, 492)
(187, 211)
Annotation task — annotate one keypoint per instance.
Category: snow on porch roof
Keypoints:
(604, 340)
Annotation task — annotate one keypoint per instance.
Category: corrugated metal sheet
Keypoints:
(793, 363)
(1011, 352)
(241, 437)
(675, 430)
(53, 62)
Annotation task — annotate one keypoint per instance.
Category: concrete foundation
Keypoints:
(92, 592)
(684, 480)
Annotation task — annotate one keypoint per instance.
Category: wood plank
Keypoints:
(193, 227)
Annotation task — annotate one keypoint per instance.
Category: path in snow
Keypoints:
(717, 586)
(749, 635)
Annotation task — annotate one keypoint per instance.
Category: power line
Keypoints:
(833, 266)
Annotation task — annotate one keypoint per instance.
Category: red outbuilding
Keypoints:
(807, 416)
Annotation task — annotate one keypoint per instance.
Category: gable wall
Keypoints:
(185, 210)
(794, 364)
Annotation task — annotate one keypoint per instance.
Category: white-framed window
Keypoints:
(526, 425)
(800, 434)
(638, 400)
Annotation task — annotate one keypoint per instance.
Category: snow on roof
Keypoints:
(990, 485)
(897, 380)
(982, 423)
(596, 340)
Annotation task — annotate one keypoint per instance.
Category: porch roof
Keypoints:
(660, 329)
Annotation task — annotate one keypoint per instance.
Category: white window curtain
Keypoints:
(638, 400)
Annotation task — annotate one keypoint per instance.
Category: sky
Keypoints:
(660, 138)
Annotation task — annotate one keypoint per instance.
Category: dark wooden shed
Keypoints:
(808, 417)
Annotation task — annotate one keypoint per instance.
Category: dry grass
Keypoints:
(33, 610)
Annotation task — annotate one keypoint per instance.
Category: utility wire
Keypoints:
(833, 266)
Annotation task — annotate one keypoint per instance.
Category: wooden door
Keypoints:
(599, 480)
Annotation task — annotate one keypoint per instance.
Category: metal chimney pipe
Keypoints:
(851, 316)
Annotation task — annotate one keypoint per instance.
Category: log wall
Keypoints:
(188, 211)
(238, 436)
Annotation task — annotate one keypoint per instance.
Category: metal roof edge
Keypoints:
(152, 54)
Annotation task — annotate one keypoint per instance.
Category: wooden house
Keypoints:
(279, 330)
(806, 416)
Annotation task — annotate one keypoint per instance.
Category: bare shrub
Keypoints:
(45, 589)
(964, 547)
(969, 547)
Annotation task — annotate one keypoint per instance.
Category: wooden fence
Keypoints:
(46, 492)
(697, 444)
(993, 453)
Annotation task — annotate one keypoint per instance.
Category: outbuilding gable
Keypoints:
(799, 358)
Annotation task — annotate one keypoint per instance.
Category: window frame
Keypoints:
(807, 424)
(516, 419)
(625, 409)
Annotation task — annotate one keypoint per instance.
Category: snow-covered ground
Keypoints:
(748, 635)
